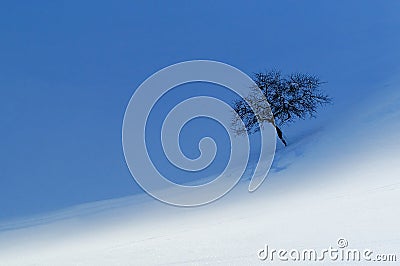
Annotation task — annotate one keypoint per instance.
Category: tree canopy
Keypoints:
(291, 97)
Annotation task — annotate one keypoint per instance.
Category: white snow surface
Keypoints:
(340, 178)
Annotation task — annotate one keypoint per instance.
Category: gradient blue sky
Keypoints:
(69, 68)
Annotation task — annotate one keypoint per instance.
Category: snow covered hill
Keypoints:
(339, 178)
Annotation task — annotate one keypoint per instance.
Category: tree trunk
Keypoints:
(280, 135)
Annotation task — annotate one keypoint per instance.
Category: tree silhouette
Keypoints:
(290, 97)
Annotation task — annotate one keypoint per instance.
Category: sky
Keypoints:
(69, 68)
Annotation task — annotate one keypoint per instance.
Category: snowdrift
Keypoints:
(338, 178)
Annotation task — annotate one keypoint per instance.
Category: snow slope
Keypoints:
(338, 179)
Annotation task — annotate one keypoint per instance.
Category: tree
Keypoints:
(290, 97)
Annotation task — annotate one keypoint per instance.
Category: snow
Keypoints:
(338, 179)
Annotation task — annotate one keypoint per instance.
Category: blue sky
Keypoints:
(69, 68)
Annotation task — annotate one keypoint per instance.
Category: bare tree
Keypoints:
(289, 97)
